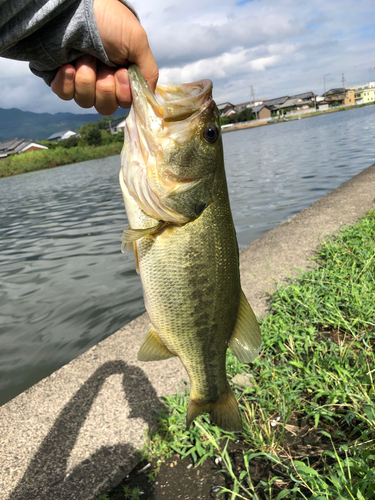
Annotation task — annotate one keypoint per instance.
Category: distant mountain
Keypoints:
(39, 126)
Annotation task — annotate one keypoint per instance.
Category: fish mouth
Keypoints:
(158, 127)
(170, 103)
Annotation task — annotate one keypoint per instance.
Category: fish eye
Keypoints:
(210, 133)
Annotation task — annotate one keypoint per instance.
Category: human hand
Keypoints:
(92, 83)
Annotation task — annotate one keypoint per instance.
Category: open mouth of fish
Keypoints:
(170, 103)
(160, 130)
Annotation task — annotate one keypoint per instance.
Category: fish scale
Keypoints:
(200, 267)
(183, 236)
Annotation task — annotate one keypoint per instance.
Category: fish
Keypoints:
(181, 230)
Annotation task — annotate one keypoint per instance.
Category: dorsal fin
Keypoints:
(246, 341)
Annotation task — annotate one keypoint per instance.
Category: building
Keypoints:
(248, 104)
(349, 97)
(60, 136)
(364, 96)
(293, 104)
(335, 95)
(368, 95)
(362, 86)
(271, 103)
(18, 146)
(305, 97)
(117, 125)
(263, 111)
(226, 109)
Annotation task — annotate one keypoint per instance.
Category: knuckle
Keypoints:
(106, 86)
(85, 79)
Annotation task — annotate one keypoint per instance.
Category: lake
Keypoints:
(64, 284)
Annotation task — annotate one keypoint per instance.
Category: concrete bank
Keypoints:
(76, 433)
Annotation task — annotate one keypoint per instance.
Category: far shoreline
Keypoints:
(271, 121)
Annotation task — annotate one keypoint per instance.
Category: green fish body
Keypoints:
(187, 255)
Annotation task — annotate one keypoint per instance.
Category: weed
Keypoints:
(311, 411)
(132, 493)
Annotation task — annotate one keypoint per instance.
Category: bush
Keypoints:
(71, 142)
(49, 158)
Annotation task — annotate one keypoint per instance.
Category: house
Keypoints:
(364, 96)
(335, 95)
(60, 136)
(271, 103)
(349, 97)
(248, 104)
(117, 125)
(305, 97)
(17, 146)
(368, 95)
(293, 104)
(322, 105)
(226, 109)
(263, 111)
(362, 86)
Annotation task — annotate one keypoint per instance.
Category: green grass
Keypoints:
(38, 160)
(313, 383)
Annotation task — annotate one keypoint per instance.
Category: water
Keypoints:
(64, 285)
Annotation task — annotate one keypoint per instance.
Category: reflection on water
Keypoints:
(64, 285)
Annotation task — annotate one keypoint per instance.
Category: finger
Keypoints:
(85, 81)
(123, 92)
(140, 54)
(63, 83)
(105, 101)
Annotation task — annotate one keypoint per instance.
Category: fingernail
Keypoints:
(69, 76)
(122, 78)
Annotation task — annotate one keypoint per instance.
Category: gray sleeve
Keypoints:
(49, 33)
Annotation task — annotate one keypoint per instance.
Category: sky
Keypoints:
(280, 47)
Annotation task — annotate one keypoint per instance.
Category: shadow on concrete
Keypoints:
(46, 477)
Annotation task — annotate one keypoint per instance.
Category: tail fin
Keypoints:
(224, 412)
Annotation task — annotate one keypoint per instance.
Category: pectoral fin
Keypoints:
(153, 349)
(246, 340)
(129, 235)
(135, 250)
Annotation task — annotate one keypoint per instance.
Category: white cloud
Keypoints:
(279, 47)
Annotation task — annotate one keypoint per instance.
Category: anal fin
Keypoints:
(246, 340)
(153, 349)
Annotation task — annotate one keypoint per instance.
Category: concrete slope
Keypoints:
(76, 433)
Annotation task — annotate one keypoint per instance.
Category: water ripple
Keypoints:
(64, 285)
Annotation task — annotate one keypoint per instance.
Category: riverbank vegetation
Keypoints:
(93, 142)
(308, 401)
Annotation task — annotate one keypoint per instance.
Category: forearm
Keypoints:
(49, 33)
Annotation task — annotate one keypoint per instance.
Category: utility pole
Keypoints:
(253, 93)
(324, 77)
(343, 85)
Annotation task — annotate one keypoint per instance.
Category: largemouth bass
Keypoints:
(181, 229)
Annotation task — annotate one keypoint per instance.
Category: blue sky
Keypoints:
(278, 47)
